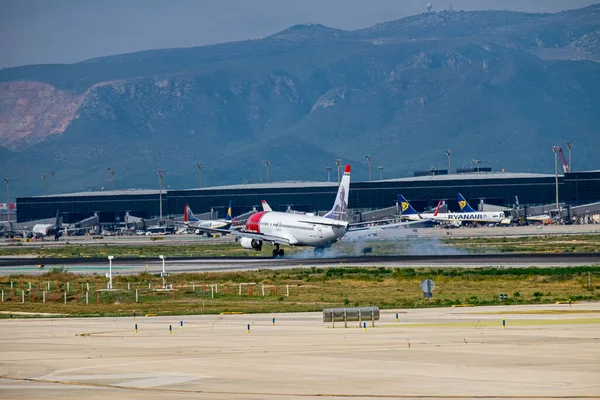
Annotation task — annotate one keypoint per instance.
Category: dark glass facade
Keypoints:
(574, 188)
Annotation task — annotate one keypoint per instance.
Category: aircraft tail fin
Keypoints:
(405, 207)
(228, 217)
(340, 207)
(188, 215)
(266, 207)
(463, 204)
(437, 209)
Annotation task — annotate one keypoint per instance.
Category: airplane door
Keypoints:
(320, 232)
(279, 226)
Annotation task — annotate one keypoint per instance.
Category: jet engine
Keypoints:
(252, 244)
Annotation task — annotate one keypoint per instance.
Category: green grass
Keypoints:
(528, 244)
(311, 289)
(143, 251)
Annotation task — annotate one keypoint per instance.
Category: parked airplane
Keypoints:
(291, 229)
(206, 225)
(43, 230)
(468, 214)
(543, 218)
(408, 212)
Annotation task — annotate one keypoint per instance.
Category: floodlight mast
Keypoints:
(369, 158)
(556, 149)
(449, 153)
(569, 147)
(200, 168)
(338, 162)
(160, 173)
(44, 179)
(328, 174)
(267, 163)
(6, 181)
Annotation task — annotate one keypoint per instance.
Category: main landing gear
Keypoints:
(277, 252)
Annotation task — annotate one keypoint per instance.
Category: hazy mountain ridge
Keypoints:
(403, 90)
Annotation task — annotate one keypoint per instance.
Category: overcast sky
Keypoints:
(65, 31)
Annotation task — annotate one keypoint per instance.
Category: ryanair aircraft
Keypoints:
(466, 214)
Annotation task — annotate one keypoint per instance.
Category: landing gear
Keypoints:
(277, 252)
(318, 252)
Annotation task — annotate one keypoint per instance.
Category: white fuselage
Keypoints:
(478, 216)
(418, 217)
(210, 224)
(298, 229)
(42, 229)
(490, 217)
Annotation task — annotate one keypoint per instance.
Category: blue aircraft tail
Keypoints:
(228, 216)
(463, 204)
(405, 207)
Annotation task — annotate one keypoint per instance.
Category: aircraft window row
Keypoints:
(304, 228)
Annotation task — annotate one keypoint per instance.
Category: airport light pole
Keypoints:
(569, 147)
(164, 273)
(110, 283)
(555, 150)
(328, 174)
(111, 177)
(369, 158)
(380, 168)
(200, 168)
(52, 183)
(160, 173)
(267, 163)
(6, 180)
(44, 178)
(448, 153)
(338, 162)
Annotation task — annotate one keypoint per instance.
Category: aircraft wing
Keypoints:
(260, 236)
(333, 222)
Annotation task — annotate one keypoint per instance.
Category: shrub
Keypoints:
(538, 294)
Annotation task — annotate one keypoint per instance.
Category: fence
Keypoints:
(83, 292)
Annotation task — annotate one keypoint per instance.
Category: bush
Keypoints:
(538, 294)
(516, 294)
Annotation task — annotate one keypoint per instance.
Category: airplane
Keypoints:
(468, 214)
(206, 225)
(43, 230)
(408, 212)
(543, 218)
(281, 228)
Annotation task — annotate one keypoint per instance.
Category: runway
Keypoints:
(213, 264)
(545, 351)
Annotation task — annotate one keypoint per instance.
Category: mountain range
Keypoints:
(497, 86)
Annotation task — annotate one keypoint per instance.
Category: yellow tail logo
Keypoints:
(404, 206)
(462, 204)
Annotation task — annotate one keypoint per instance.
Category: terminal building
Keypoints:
(496, 188)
